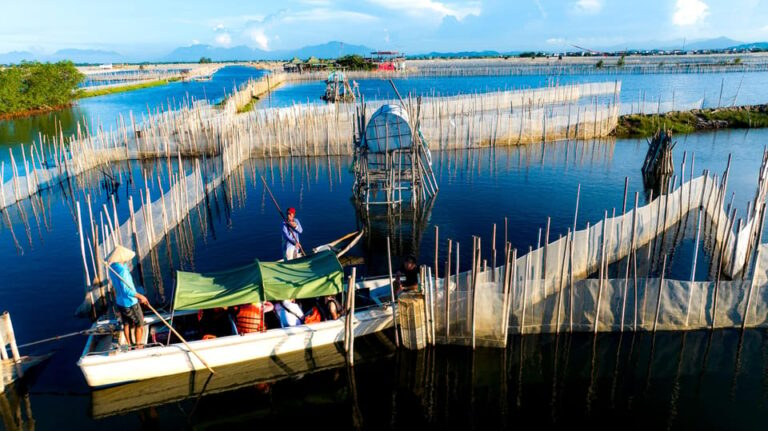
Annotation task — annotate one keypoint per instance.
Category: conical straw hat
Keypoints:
(120, 254)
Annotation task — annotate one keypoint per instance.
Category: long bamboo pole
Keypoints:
(392, 294)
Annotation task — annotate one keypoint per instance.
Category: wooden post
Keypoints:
(560, 287)
(602, 272)
(755, 270)
(476, 274)
(82, 246)
(447, 290)
(661, 287)
(693, 267)
(392, 294)
(349, 331)
(5, 318)
(525, 289)
(493, 254)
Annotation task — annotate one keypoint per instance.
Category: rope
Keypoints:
(102, 330)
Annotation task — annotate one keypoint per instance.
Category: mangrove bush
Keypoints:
(38, 86)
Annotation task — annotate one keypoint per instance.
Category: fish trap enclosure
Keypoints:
(337, 88)
(392, 164)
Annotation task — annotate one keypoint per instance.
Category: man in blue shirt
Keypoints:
(126, 297)
(291, 229)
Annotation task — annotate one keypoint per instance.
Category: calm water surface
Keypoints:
(674, 381)
(637, 381)
(739, 89)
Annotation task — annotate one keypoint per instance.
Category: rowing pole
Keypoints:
(166, 323)
(290, 229)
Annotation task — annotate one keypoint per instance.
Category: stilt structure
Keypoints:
(658, 165)
(393, 164)
(337, 88)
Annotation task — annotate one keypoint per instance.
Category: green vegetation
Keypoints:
(124, 88)
(737, 60)
(532, 54)
(621, 61)
(354, 62)
(600, 64)
(33, 86)
(248, 106)
(638, 125)
(204, 60)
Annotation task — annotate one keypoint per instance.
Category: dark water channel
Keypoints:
(672, 381)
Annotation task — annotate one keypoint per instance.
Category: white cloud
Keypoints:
(589, 7)
(557, 41)
(689, 12)
(218, 27)
(258, 37)
(223, 39)
(322, 14)
(440, 9)
(195, 42)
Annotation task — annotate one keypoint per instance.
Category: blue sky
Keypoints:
(414, 26)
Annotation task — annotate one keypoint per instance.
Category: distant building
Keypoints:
(388, 60)
(107, 66)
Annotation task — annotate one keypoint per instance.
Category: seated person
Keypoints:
(214, 322)
(330, 307)
(289, 313)
(249, 317)
(410, 271)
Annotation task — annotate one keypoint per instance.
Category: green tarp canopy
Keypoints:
(308, 277)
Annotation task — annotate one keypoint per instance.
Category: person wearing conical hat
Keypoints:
(126, 296)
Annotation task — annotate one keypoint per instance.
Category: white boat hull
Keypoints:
(113, 368)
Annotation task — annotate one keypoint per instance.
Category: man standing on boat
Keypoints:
(126, 296)
(291, 229)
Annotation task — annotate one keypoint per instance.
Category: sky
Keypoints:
(412, 26)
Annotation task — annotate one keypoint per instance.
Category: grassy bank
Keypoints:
(248, 107)
(123, 88)
(739, 117)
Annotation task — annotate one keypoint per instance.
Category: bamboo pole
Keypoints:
(392, 294)
(349, 331)
(693, 268)
(661, 288)
(447, 289)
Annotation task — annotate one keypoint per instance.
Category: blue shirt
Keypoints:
(291, 235)
(125, 291)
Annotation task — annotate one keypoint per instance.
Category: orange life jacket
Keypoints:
(249, 319)
(313, 316)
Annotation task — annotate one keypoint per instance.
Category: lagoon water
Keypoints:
(685, 89)
(677, 381)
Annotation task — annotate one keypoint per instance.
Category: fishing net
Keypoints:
(549, 291)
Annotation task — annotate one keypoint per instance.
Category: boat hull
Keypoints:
(108, 369)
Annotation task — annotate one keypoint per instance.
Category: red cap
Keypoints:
(291, 210)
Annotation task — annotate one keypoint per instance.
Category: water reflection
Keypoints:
(695, 380)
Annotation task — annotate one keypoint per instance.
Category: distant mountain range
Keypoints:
(332, 49)
(93, 56)
(693, 45)
(193, 53)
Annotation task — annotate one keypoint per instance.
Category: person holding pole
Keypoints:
(291, 229)
(126, 296)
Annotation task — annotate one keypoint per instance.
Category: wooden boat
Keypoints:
(104, 363)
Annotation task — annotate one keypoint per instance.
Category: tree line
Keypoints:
(38, 86)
